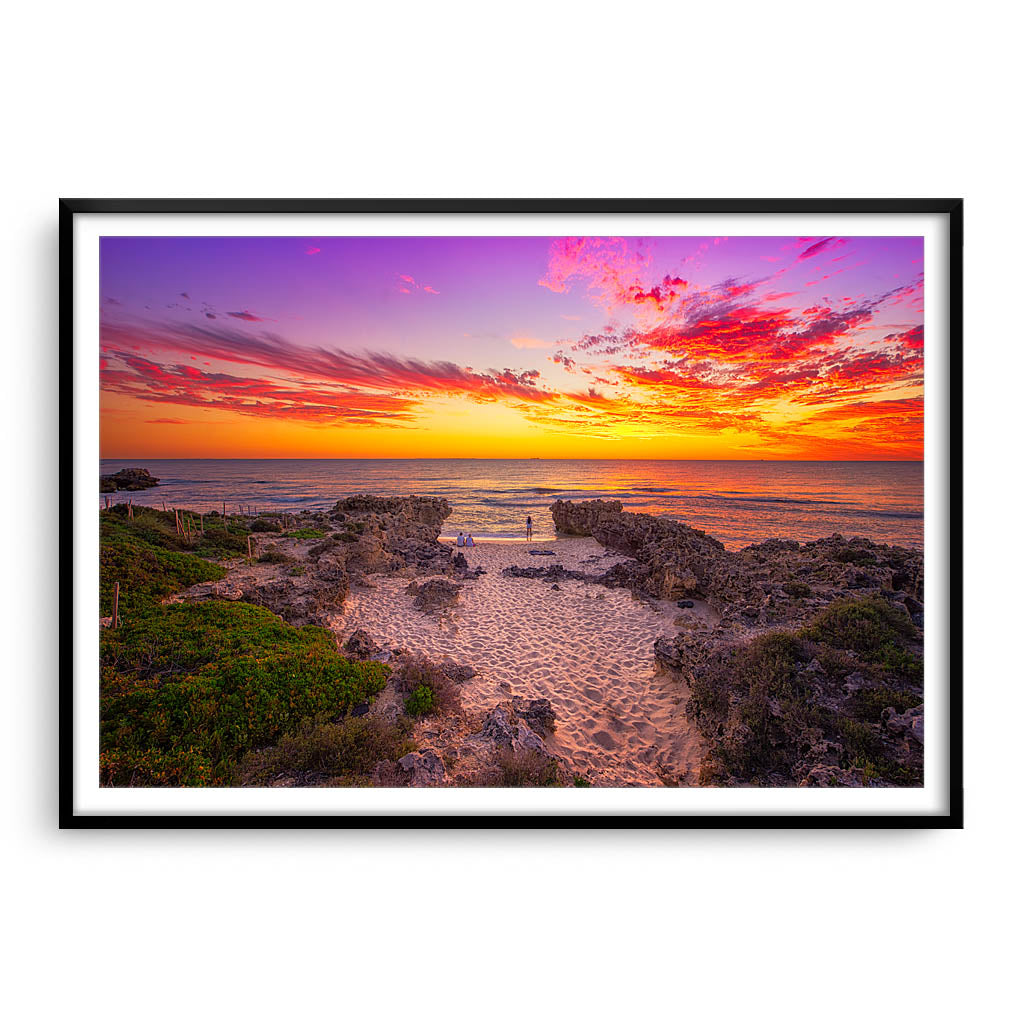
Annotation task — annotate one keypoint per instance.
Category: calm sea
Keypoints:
(737, 502)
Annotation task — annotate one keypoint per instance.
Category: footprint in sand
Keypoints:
(592, 693)
(603, 739)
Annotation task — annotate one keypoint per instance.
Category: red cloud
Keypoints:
(820, 247)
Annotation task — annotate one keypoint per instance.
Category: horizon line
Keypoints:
(443, 458)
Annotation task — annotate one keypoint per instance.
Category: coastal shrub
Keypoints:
(767, 705)
(522, 769)
(854, 556)
(877, 631)
(869, 703)
(262, 525)
(306, 533)
(297, 570)
(146, 575)
(417, 677)
(275, 556)
(580, 782)
(420, 702)
(188, 689)
(343, 752)
(155, 528)
(797, 589)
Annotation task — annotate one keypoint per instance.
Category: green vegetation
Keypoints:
(797, 589)
(265, 526)
(420, 702)
(220, 538)
(767, 704)
(855, 556)
(306, 533)
(428, 691)
(275, 556)
(580, 782)
(868, 704)
(188, 689)
(875, 630)
(317, 751)
(146, 562)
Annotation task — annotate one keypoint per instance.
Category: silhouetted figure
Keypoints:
(529, 528)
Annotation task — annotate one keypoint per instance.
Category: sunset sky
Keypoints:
(662, 348)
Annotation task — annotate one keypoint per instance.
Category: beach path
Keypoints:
(586, 647)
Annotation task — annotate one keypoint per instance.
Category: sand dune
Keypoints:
(587, 648)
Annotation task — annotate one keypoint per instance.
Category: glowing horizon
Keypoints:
(780, 348)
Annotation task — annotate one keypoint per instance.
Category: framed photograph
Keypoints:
(511, 513)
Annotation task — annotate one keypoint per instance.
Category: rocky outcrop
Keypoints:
(419, 770)
(127, 480)
(772, 583)
(537, 713)
(434, 596)
(384, 534)
(671, 560)
(309, 599)
(361, 647)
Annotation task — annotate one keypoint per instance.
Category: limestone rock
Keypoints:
(128, 480)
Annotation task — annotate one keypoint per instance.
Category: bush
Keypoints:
(188, 689)
(416, 677)
(797, 589)
(344, 751)
(154, 529)
(868, 704)
(855, 556)
(146, 574)
(763, 707)
(306, 533)
(420, 702)
(874, 629)
(523, 769)
(265, 526)
(275, 556)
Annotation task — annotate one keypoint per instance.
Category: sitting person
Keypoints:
(460, 542)
(469, 541)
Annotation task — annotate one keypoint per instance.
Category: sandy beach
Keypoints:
(587, 648)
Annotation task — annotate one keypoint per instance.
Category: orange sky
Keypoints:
(666, 348)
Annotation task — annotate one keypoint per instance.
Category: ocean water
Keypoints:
(738, 502)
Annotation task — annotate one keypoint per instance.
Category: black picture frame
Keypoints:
(953, 209)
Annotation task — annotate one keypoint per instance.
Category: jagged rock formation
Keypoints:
(763, 584)
(127, 480)
(434, 596)
(384, 534)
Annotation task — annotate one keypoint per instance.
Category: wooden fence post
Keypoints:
(117, 594)
(248, 541)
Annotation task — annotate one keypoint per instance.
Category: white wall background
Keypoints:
(531, 99)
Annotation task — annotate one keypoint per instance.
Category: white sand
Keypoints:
(588, 648)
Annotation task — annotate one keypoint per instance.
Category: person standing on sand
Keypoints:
(460, 542)
(529, 528)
